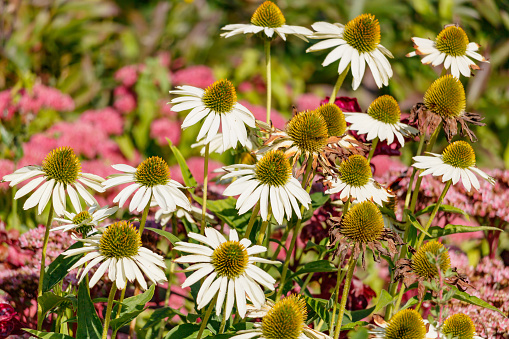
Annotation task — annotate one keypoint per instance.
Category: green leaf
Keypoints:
(225, 210)
(186, 331)
(320, 307)
(318, 199)
(47, 335)
(186, 173)
(385, 299)
(465, 297)
(89, 324)
(417, 224)
(170, 236)
(353, 325)
(49, 300)
(437, 231)
(315, 266)
(131, 308)
(58, 269)
(160, 314)
(361, 333)
(361, 314)
(442, 208)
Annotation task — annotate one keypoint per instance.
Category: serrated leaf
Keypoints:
(47, 335)
(442, 208)
(131, 308)
(465, 297)
(385, 299)
(89, 324)
(170, 236)
(58, 269)
(186, 331)
(437, 231)
(315, 266)
(187, 176)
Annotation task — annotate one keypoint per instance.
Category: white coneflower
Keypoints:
(219, 107)
(150, 179)
(216, 144)
(269, 182)
(452, 48)
(456, 162)
(407, 324)
(356, 44)
(118, 249)
(267, 19)
(84, 221)
(164, 216)
(356, 181)
(285, 319)
(59, 174)
(228, 268)
(381, 121)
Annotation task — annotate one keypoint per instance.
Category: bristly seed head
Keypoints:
(363, 223)
(452, 40)
(308, 130)
(220, 97)
(459, 326)
(81, 217)
(152, 172)
(273, 169)
(385, 109)
(120, 240)
(363, 33)
(334, 118)
(286, 319)
(355, 171)
(421, 265)
(459, 154)
(446, 97)
(230, 259)
(406, 324)
(62, 165)
(269, 15)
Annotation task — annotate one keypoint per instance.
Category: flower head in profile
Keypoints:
(216, 144)
(118, 250)
(267, 20)
(59, 176)
(406, 324)
(164, 216)
(229, 269)
(362, 226)
(355, 181)
(151, 179)
(356, 44)
(456, 162)
(219, 107)
(270, 183)
(285, 319)
(445, 102)
(452, 48)
(382, 121)
(458, 326)
(84, 222)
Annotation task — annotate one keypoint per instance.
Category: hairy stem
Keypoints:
(107, 317)
(344, 297)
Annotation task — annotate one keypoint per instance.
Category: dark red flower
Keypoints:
(346, 104)
(9, 323)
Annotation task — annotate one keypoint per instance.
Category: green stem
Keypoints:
(373, 147)
(223, 322)
(122, 296)
(338, 84)
(339, 279)
(107, 317)
(144, 219)
(412, 177)
(206, 319)
(15, 218)
(344, 297)
(205, 183)
(43, 266)
(252, 220)
(269, 78)
(263, 228)
(433, 214)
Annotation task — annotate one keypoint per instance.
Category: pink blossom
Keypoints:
(125, 104)
(44, 97)
(36, 149)
(6, 107)
(165, 110)
(260, 113)
(164, 58)
(106, 119)
(308, 101)
(163, 128)
(199, 76)
(127, 75)
(245, 86)
(6, 167)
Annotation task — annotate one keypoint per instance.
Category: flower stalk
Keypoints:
(43, 266)
(338, 84)
(206, 318)
(372, 150)
(107, 317)
(344, 297)
(205, 183)
(269, 77)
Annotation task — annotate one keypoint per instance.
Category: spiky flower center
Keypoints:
(363, 223)
(120, 240)
(385, 109)
(355, 171)
(459, 326)
(220, 97)
(459, 154)
(406, 324)
(273, 169)
(334, 118)
(268, 14)
(230, 259)
(308, 130)
(452, 40)
(81, 217)
(363, 33)
(446, 97)
(152, 172)
(286, 319)
(62, 165)
(421, 264)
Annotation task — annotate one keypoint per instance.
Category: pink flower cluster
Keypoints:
(106, 119)
(199, 76)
